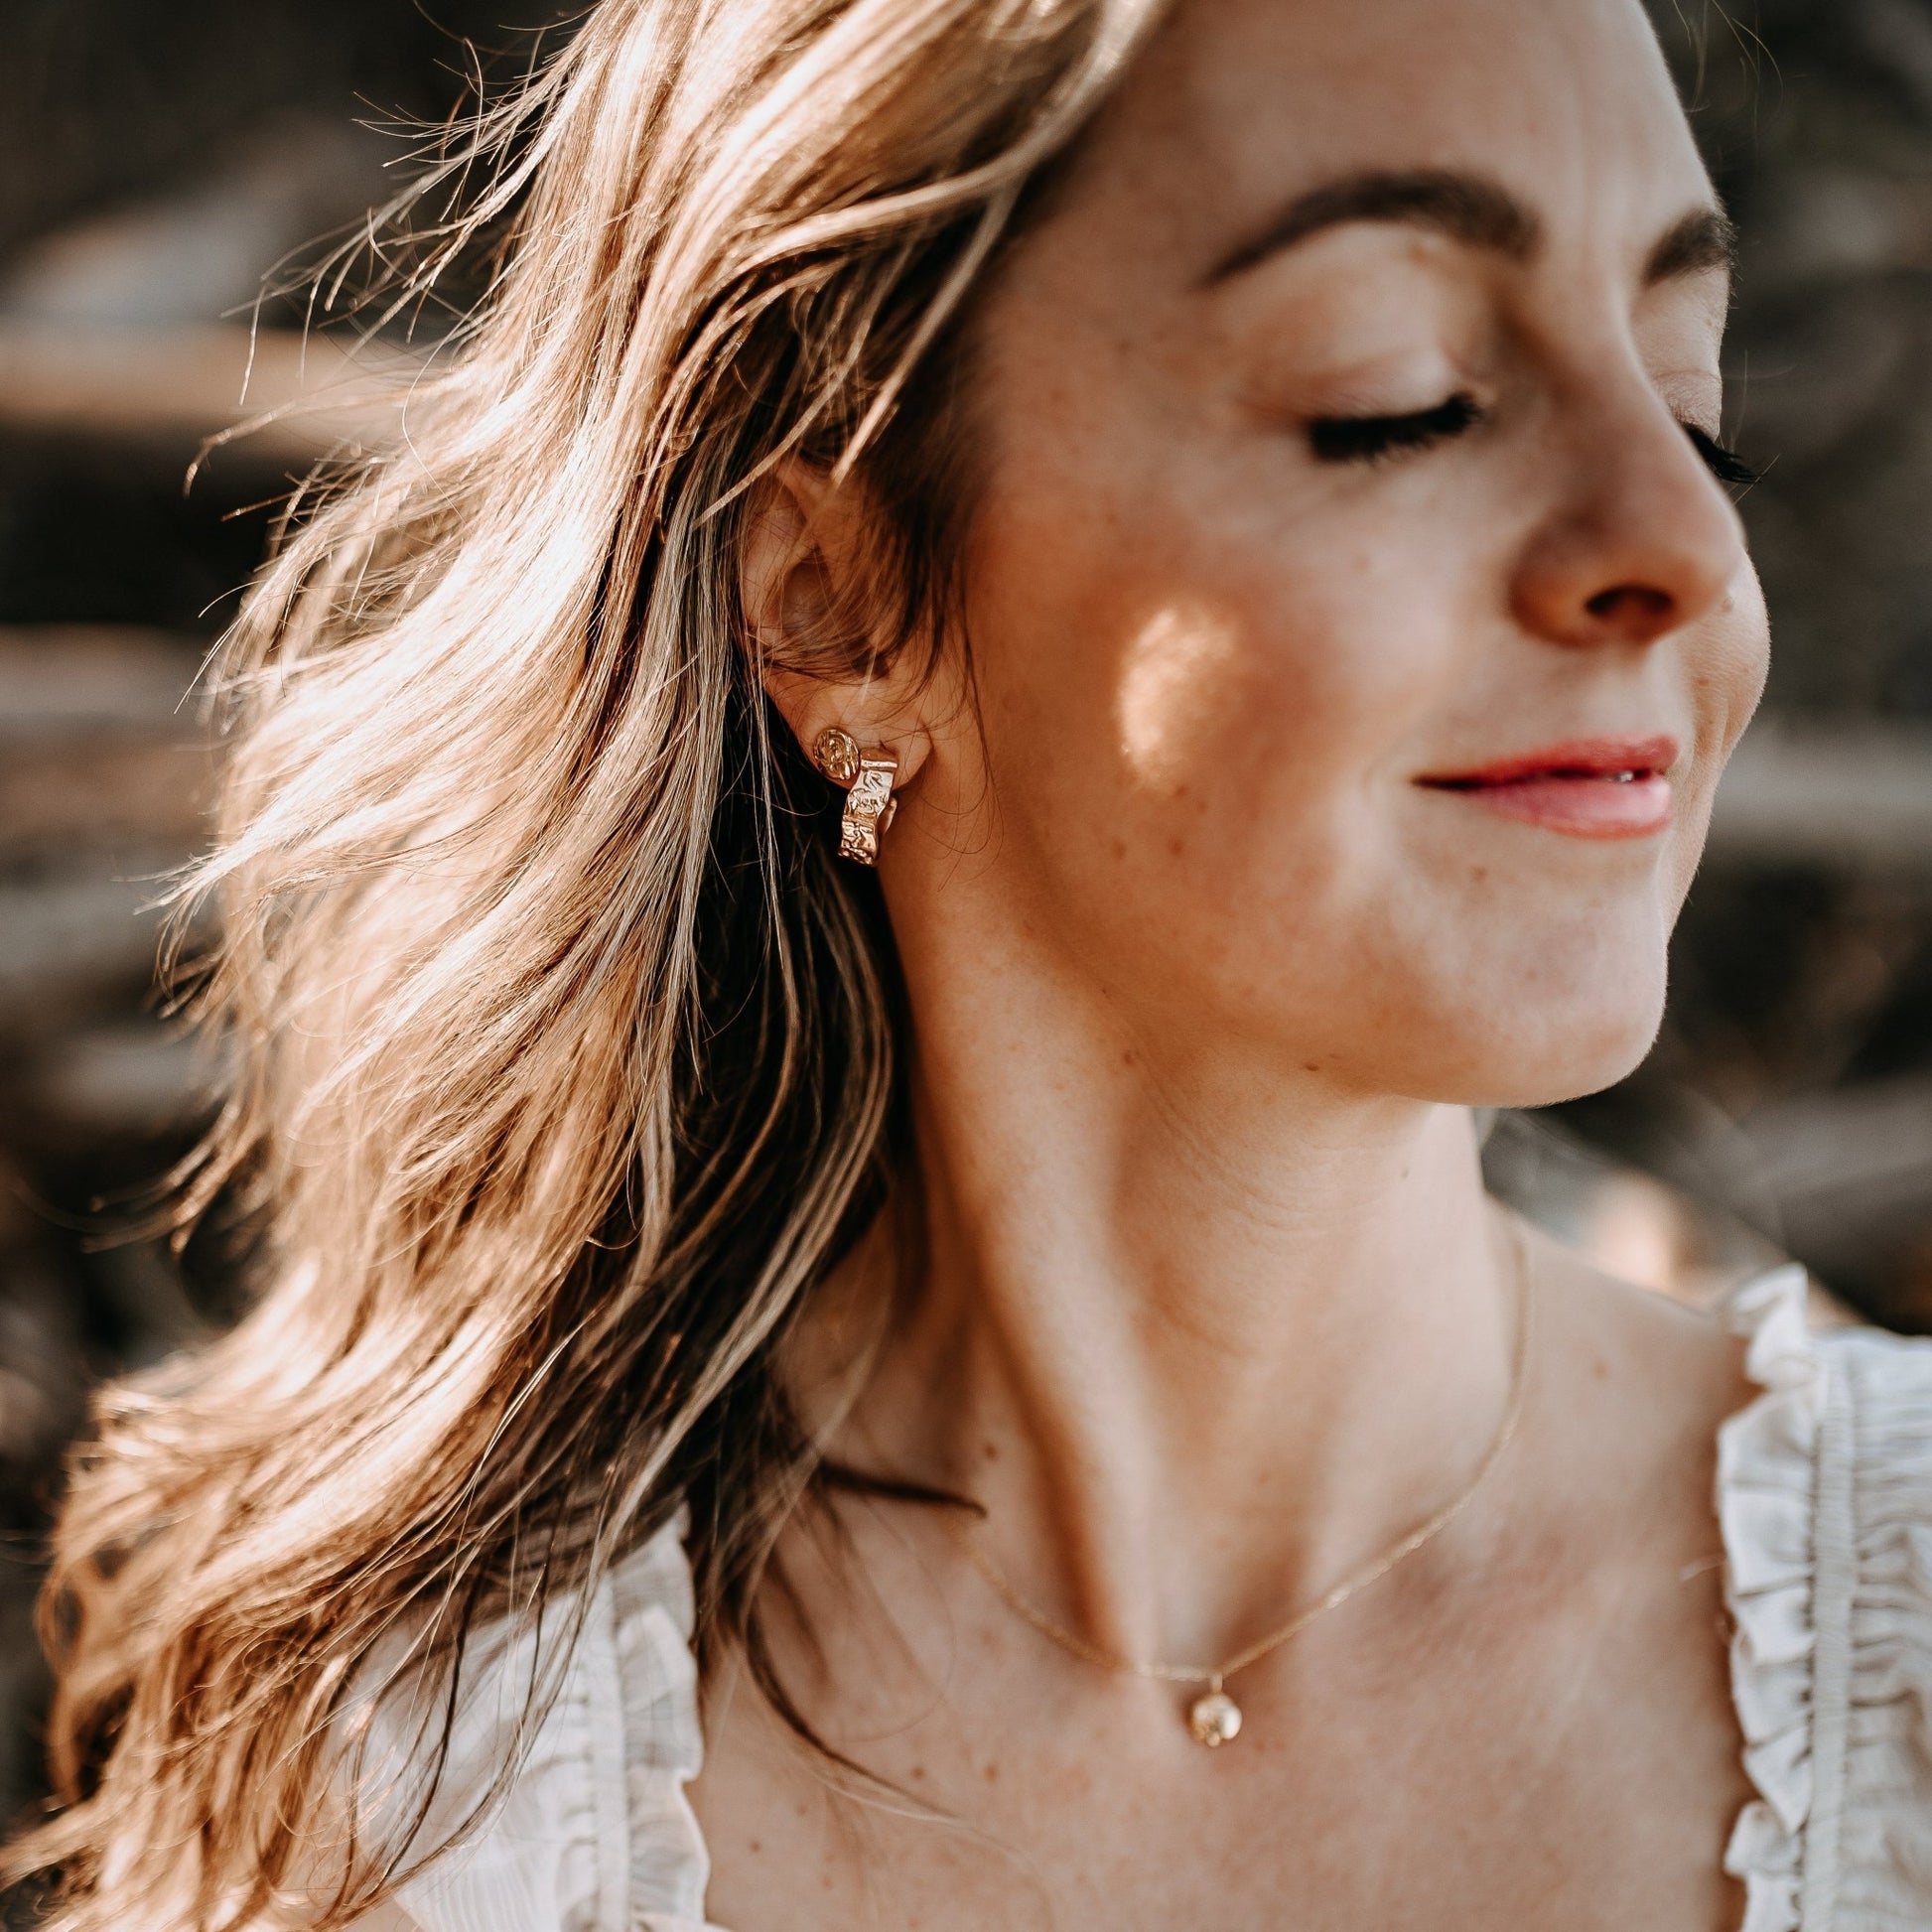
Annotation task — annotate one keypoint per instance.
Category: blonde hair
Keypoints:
(564, 1052)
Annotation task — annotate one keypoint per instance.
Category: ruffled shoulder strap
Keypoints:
(593, 1832)
(652, 1616)
(1825, 1499)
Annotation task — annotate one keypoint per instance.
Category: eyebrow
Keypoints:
(1706, 237)
(1472, 209)
(1467, 208)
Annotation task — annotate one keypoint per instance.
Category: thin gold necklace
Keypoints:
(1214, 1718)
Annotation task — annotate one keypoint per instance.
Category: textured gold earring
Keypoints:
(868, 779)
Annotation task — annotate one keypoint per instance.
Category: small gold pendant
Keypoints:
(1214, 1719)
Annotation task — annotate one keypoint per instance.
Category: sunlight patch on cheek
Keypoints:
(1170, 692)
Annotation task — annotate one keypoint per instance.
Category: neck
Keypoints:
(1201, 1330)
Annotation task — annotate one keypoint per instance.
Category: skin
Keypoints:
(1205, 982)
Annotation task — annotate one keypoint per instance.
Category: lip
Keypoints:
(1582, 787)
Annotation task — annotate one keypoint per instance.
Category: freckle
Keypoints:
(918, 1770)
(755, 1846)
(1120, 848)
(1176, 847)
(1479, 873)
(992, 1774)
(1127, 1059)
(991, 1450)
(1601, 1370)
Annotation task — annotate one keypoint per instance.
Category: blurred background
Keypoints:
(159, 157)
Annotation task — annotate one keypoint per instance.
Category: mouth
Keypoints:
(1584, 788)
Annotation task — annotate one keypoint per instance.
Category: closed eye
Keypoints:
(1724, 463)
(1371, 439)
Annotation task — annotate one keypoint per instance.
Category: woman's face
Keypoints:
(1358, 628)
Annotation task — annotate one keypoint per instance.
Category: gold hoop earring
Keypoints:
(868, 779)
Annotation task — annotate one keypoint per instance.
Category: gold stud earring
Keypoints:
(868, 779)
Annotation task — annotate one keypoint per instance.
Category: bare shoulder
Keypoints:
(1628, 1377)
(1628, 1325)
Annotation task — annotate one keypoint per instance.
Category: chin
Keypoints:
(1529, 1045)
(1548, 1058)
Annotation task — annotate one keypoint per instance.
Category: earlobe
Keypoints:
(802, 577)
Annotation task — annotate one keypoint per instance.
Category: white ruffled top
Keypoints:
(1825, 1497)
(594, 1833)
(1825, 1500)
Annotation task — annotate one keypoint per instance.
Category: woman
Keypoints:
(984, 1390)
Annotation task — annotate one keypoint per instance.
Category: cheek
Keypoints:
(1729, 672)
(1252, 703)
(1725, 667)
(1175, 694)
(1184, 658)
(1200, 749)
(1180, 762)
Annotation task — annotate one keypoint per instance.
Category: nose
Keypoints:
(1643, 542)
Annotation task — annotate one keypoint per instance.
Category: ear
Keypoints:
(808, 578)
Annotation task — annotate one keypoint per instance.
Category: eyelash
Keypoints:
(1723, 461)
(1377, 439)
(1374, 439)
